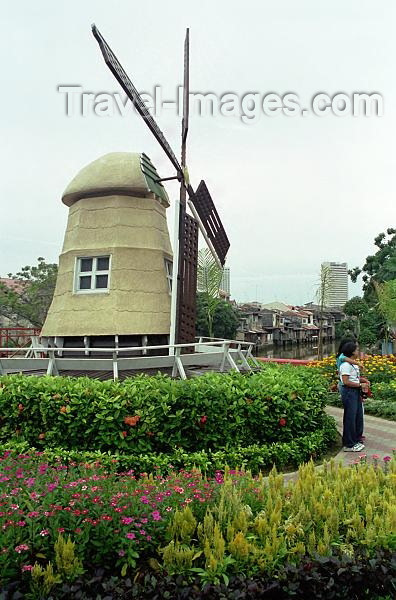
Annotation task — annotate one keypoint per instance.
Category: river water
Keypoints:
(304, 352)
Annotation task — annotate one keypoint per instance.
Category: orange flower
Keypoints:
(131, 420)
(63, 409)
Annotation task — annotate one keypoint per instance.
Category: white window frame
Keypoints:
(78, 273)
(168, 273)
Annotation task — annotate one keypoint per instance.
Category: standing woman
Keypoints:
(351, 399)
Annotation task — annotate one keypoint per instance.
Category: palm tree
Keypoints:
(208, 283)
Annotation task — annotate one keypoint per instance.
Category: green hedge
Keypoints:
(256, 457)
(161, 415)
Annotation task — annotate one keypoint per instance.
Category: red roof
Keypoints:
(15, 285)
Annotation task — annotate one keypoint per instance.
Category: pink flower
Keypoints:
(61, 529)
(130, 536)
(21, 523)
(78, 530)
(44, 532)
(33, 513)
(51, 487)
(21, 548)
(144, 499)
(376, 456)
(156, 515)
(121, 553)
(127, 520)
(148, 537)
(387, 458)
(26, 568)
(142, 532)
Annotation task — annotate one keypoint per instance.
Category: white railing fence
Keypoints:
(214, 353)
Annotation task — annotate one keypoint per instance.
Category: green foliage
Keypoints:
(345, 328)
(386, 293)
(380, 266)
(255, 457)
(224, 322)
(365, 322)
(356, 307)
(158, 414)
(272, 417)
(32, 297)
(209, 276)
(325, 578)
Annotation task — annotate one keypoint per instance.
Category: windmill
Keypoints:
(204, 214)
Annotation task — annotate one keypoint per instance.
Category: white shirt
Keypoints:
(351, 370)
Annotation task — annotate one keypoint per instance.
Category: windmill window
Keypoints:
(92, 274)
(169, 273)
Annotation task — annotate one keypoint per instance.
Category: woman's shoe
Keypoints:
(356, 448)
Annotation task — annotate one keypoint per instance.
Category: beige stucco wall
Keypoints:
(133, 231)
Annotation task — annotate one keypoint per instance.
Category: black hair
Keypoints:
(345, 340)
(349, 348)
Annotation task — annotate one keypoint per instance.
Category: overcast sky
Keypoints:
(291, 191)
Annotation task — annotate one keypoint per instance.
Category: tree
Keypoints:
(32, 294)
(208, 282)
(368, 322)
(346, 328)
(386, 293)
(225, 319)
(322, 295)
(378, 267)
(356, 307)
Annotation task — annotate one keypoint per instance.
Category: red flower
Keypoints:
(131, 420)
(203, 419)
(124, 433)
(282, 422)
(20, 407)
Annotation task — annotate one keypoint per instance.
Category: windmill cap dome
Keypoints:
(116, 173)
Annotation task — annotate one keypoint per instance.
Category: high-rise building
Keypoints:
(225, 281)
(337, 283)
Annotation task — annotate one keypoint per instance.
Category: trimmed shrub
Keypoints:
(157, 414)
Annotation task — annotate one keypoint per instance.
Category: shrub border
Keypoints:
(256, 458)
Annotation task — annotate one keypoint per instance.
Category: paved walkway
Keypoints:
(380, 436)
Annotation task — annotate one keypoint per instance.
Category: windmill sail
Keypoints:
(206, 217)
(204, 205)
(115, 67)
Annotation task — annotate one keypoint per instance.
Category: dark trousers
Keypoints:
(353, 416)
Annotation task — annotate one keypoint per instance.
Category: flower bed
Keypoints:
(381, 371)
(275, 416)
(207, 530)
(378, 369)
